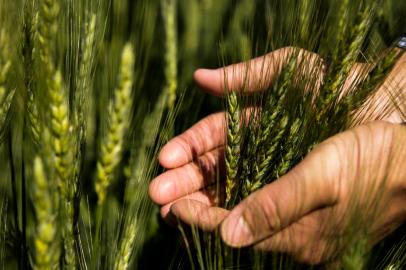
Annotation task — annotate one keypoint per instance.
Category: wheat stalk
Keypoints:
(5, 64)
(272, 126)
(5, 107)
(47, 28)
(126, 247)
(30, 24)
(263, 165)
(120, 116)
(340, 71)
(61, 130)
(63, 162)
(290, 144)
(45, 236)
(84, 77)
(171, 53)
(341, 29)
(233, 144)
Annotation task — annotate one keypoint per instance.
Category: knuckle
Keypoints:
(263, 213)
(312, 254)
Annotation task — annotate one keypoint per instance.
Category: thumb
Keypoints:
(311, 185)
(353, 163)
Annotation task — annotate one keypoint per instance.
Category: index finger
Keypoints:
(254, 75)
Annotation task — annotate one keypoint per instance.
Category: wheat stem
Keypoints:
(120, 117)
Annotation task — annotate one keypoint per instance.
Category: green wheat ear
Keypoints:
(45, 236)
(171, 54)
(346, 58)
(120, 118)
(233, 144)
(84, 77)
(30, 24)
(6, 97)
(127, 244)
(47, 28)
(272, 126)
(63, 162)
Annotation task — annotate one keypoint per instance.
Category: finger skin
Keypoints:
(309, 240)
(178, 182)
(206, 135)
(254, 75)
(211, 196)
(198, 214)
(206, 197)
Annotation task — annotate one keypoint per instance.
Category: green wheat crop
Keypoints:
(90, 91)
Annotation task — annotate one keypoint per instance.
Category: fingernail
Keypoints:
(236, 232)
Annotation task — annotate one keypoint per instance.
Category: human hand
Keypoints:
(318, 188)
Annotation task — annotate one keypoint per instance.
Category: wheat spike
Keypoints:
(341, 28)
(61, 129)
(120, 116)
(47, 28)
(30, 24)
(63, 162)
(45, 236)
(5, 64)
(233, 144)
(265, 159)
(126, 247)
(269, 137)
(290, 144)
(5, 107)
(171, 54)
(84, 77)
(340, 71)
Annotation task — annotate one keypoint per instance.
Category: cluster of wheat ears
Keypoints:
(80, 128)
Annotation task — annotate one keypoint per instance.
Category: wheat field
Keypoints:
(90, 92)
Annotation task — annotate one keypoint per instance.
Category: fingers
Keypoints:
(254, 75)
(210, 197)
(206, 135)
(198, 214)
(189, 178)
